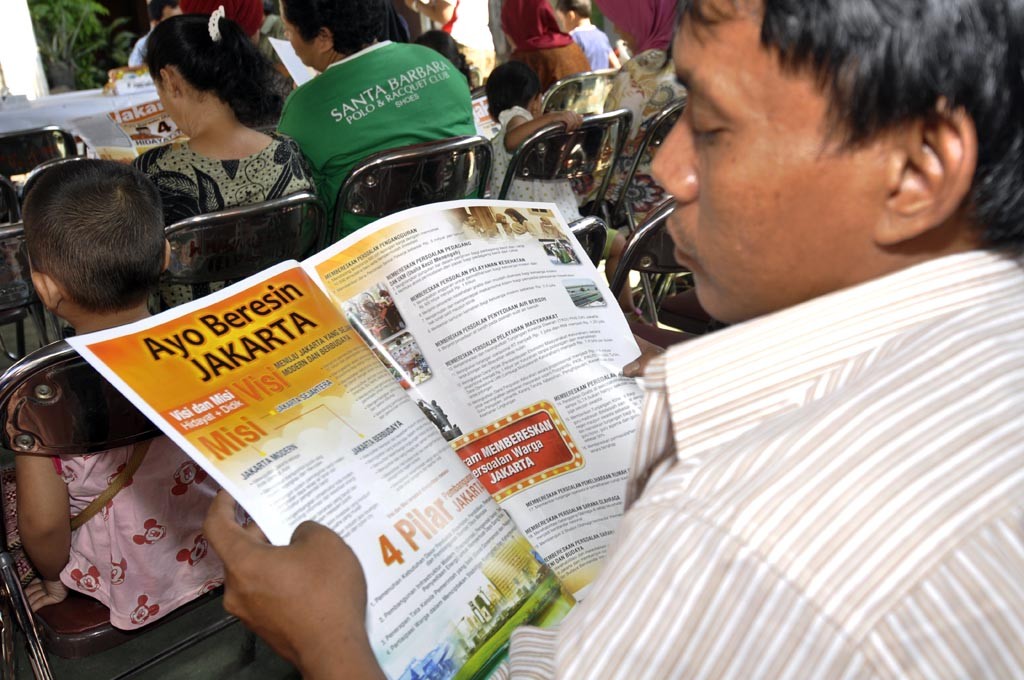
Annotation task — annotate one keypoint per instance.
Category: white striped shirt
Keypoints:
(835, 490)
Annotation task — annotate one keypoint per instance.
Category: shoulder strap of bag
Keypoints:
(122, 480)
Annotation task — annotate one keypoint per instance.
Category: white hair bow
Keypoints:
(214, 25)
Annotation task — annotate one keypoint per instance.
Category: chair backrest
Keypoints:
(53, 402)
(411, 176)
(232, 244)
(592, 234)
(38, 171)
(23, 150)
(15, 276)
(660, 126)
(650, 250)
(588, 153)
(583, 93)
(10, 210)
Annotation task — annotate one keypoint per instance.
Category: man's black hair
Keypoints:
(231, 68)
(97, 228)
(511, 84)
(156, 8)
(354, 25)
(581, 7)
(884, 63)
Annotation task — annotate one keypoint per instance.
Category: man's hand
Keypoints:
(42, 593)
(307, 600)
(648, 353)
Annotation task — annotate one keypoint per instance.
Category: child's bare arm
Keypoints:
(519, 128)
(43, 515)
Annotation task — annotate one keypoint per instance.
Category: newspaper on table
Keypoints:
(442, 388)
(124, 134)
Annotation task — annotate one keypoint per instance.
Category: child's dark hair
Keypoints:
(581, 7)
(511, 84)
(156, 8)
(442, 42)
(97, 227)
(231, 68)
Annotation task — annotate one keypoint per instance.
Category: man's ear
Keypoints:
(167, 256)
(49, 291)
(324, 40)
(930, 173)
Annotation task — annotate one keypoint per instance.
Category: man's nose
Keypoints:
(674, 167)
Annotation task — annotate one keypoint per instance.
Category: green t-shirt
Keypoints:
(387, 96)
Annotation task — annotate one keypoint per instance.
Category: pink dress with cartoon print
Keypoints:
(144, 555)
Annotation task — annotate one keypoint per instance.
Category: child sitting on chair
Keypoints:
(95, 236)
(513, 96)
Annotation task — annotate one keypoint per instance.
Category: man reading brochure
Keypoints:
(833, 486)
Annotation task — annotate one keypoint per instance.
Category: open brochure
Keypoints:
(442, 388)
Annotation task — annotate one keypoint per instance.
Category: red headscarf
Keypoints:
(650, 22)
(246, 13)
(531, 24)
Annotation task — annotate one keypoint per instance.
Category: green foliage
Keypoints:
(71, 35)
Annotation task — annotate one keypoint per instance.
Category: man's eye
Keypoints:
(705, 137)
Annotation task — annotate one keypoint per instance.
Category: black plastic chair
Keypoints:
(660, 126)
(592, 234)
(18, 301)
(22, 150)
(10, 210)
(412, 176)
(52, 402)
(583, 93)
(37, 172)
(589, 153)
(666, 285)
(229, 245)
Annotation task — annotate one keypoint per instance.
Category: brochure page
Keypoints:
(270, 390)
(492, 318)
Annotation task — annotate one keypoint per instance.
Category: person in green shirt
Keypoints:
(371, 94)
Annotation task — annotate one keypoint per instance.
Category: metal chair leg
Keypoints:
(38, 314)
(23, 616)
(19, 338)
(8, 670)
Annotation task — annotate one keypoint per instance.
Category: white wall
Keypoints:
(19, 55)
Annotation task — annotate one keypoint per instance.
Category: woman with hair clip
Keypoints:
(213, 82)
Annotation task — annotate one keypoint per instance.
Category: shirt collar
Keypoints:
(360, 53)
(728, 382)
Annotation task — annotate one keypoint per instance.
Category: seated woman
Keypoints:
(371, 94)
(210, 77)
(645, 85)
(532, 29)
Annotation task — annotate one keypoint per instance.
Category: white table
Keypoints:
(61, 109)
